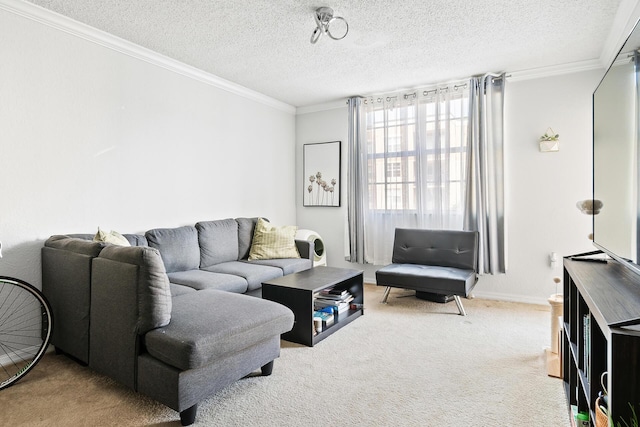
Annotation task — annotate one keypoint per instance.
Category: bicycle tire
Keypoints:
(26, 324)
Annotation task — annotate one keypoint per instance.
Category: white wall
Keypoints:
(541, 191)
(93, 137)
(543, 188)
(328, 222)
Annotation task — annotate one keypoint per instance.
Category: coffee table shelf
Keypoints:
(297, 291)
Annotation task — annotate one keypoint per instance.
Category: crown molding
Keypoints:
(555, 70)
(623, 23)
(334, 105)
(533, 73)
(102, 38)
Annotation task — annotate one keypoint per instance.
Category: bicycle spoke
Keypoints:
(25, 329)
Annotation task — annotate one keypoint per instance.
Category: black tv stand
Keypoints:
(601, 312)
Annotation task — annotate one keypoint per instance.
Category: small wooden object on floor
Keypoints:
(553, 354)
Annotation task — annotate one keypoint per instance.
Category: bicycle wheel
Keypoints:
(25, 329)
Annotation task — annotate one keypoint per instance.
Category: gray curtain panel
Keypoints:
(355, 198)
(484, 206)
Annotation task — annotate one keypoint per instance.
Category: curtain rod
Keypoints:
(414, 94)
(427, 92)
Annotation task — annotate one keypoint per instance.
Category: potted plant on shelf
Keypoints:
(550, 141)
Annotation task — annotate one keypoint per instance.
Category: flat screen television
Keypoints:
(615, 157)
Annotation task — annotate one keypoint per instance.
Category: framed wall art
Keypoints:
(321, 174)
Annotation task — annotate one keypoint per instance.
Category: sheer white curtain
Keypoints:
(411, 152)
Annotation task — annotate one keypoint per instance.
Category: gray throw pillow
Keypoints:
(218, 241)
(178, 247)
(246, 226)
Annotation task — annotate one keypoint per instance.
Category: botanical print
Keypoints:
(322, 174)
(324, 194)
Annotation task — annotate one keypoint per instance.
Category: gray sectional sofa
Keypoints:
(172, 316)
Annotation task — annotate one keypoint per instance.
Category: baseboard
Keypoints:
(510, 298)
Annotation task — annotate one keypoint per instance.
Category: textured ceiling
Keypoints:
(264, 44)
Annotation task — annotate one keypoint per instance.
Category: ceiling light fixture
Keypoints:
(324, 17)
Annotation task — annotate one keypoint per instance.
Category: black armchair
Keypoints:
(440, 262)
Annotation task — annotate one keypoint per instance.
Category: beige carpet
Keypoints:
(407, 363)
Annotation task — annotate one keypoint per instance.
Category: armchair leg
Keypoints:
(459, 304)
(386, 295)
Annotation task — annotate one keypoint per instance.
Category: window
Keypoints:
(417, 154)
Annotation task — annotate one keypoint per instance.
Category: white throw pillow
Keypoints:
(112, 237)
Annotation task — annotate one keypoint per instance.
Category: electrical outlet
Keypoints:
(553, 259)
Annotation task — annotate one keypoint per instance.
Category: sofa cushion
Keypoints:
(288, 265)
(436, 279)
(177, 290)
(446, 248)
(208, 325)
(154, 293)
(270, 242)
(246, 226)
(218, 241)
(254, 274)
(74, 244)
(133, 239)
(178, 247)
(202, 279)
(136, 239)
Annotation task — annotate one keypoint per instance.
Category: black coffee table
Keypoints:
(297, 291)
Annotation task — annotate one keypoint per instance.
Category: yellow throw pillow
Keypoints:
(270, 242)
(112, 237)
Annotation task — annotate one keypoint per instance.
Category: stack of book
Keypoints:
(321, 321)
(336, 301)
